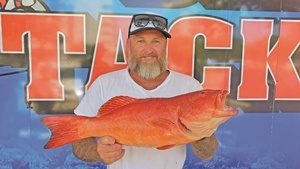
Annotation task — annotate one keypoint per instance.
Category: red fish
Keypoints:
(152, 122)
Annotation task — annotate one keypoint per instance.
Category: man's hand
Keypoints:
(108, 150)
(206, 147)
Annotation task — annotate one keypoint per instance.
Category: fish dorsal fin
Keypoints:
(115, 103)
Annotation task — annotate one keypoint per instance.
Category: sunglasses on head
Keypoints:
(142, 20)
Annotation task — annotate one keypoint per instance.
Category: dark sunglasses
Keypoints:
(142, 20)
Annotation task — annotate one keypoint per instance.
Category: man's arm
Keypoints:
(86, 149)
(206, 147)
(104, 149)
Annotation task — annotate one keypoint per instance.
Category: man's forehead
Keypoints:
(149, 32)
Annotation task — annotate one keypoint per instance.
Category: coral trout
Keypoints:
(151, 122)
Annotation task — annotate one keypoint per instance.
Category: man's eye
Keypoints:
(140, 41)
(156, 42)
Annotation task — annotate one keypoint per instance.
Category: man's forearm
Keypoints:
(86, 149)
(205, 148)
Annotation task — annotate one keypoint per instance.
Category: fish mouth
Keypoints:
(220, 99)
(228, 111)
(224, 110)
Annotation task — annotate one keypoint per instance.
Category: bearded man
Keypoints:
(146, 76)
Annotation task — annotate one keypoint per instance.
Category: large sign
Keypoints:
(66, 34)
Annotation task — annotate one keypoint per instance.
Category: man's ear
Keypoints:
(128, 42)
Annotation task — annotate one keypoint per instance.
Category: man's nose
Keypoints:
(149, 48)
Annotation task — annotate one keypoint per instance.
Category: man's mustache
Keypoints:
(150, 55)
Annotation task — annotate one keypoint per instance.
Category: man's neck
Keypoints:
(149, 84)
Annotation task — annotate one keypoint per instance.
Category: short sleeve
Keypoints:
(195, 85)
(91, 101)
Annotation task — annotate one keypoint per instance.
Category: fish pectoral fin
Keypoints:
(114, 103)
(185, 128)
(161, 123)
(198, 129)
(165, 147)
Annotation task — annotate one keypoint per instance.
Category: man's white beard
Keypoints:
(147, 70)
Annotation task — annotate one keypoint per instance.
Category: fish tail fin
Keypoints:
(64, 130)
